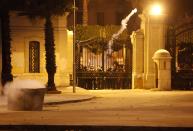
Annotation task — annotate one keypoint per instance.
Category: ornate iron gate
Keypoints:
(180, 45)
(95, 69)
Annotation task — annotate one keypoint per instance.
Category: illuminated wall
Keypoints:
(24, 31)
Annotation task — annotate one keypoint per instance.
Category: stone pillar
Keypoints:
(64, 57)
(154, 39)
(137, 39)
(162, 58)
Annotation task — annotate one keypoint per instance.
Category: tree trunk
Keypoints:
(6, 75)
(50, 54)
(85, 13)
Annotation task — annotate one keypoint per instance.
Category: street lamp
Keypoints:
(156, 9)
(74, 47)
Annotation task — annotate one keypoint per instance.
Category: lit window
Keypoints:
(34, 57)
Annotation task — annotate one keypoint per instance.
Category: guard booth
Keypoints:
(162, 61)
(95, 69)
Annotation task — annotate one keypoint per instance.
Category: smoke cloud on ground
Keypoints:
(16, 89)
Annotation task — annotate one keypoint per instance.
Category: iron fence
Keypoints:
(96, 69)
(180, 46)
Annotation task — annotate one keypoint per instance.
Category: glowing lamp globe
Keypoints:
(156, 10)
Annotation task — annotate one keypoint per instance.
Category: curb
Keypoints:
(69, 101)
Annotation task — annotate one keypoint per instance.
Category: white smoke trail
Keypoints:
(123, 27)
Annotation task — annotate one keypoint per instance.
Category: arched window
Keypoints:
(34, 57)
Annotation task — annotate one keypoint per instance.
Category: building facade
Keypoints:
(102, 12)
(28, 49)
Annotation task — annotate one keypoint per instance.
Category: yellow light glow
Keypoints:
(156, 10)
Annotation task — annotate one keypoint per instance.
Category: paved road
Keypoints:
(117, 107)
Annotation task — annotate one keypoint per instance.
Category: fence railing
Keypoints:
(179, 44)
(104, 80)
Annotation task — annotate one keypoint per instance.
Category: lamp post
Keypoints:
(156, 9)
(74, 47)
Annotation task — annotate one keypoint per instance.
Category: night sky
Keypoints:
(183, 6)
(175, 9)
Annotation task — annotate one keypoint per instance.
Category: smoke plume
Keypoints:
(123, 27)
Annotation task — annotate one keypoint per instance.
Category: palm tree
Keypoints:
(46, 9)
(5, 8)
(50, 53)
(85, 13)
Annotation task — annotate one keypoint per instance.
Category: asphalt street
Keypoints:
(113, 108)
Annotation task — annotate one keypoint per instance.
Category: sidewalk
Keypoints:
(67, 96)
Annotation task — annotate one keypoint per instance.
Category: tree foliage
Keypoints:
(5, 7)
(105, 32)
(102, 35)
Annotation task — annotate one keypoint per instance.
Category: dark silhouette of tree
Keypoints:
(5, 7)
